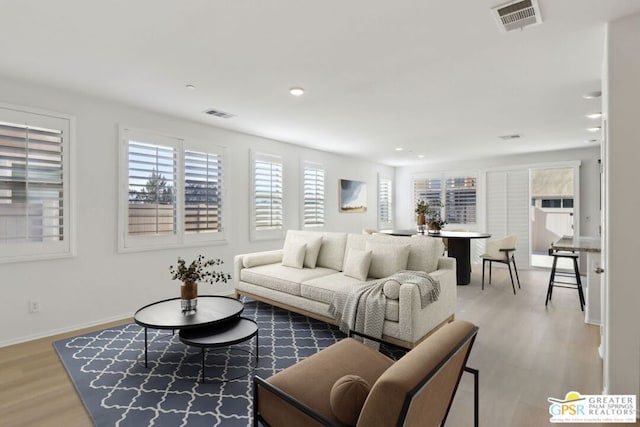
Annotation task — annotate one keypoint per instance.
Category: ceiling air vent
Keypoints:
(517, 15)
(509, 137)
(218, 113)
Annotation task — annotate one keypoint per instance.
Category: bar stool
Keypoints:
(575, 275)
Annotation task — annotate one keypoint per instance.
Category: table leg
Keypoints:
(460, 249)
(145, 347)
(203, 352)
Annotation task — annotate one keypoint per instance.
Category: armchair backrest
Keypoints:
(418, 389)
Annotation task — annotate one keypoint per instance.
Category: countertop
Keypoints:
(581, 243)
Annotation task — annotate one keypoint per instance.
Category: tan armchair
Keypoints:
(349, 383)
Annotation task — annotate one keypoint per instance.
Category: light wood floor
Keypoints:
(525, 353)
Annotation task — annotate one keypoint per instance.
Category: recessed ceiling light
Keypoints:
(296, 91)
(190, 87)
(590, 141)
(594, 115)
(594, 129)
(421, 156)
(592, 95)
(398, 148)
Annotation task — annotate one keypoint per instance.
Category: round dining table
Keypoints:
(458, 247)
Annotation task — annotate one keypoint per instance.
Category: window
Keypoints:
(202, 192)
(152, 209)
(174, 192)
(313, 195)
(385, 200)
(427, 189)
(458, 196)
(460, 200)
(267, 203)
(35, 185)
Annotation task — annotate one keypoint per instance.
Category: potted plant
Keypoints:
(429, 213)
(435, 223)
(422, 208)
(199, 270)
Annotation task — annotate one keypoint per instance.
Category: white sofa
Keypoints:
(309, 291)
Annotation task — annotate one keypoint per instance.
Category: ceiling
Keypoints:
(436, 78)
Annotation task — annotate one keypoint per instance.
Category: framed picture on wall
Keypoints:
(353, 196)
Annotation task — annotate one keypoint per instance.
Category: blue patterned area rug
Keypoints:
(107, 369)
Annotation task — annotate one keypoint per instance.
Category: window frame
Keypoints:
(443, 177)
(66, 248)
(385, 224)
(318, 167)
(180, 237)
(269, 234)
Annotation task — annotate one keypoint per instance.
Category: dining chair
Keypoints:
(501, 250)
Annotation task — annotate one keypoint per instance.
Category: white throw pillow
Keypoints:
(387, 258)
(313, 247)
(293, 254)
(356, 264)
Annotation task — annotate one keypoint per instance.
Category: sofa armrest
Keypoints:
(254, 259)
(446, 263)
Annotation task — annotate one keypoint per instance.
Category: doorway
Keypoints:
(554, 211)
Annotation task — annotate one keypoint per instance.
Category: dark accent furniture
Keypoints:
(459, 247)
(233, 331)
(553, 282)
(168, 314)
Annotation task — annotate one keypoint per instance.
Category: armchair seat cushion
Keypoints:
(312, 379)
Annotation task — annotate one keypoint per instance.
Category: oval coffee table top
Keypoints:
(221, 334)
(168, 314)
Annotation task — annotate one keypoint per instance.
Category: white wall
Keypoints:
(622, 287)
(589, 183)
(100, 284)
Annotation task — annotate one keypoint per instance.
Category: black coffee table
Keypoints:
(168, 314)
(230, 332)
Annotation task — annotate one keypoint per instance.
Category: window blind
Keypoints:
(202, 192)
(427, 189)
(313, 208)
(385, 198)
(268, 195)
(32, 195)
(152, 189)
(460, 200)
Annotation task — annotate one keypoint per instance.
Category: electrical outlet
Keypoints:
(34, 306)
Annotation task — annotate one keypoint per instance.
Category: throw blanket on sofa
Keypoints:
(363, 308)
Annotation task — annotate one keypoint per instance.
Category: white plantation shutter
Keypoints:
(268, 194)
(313, 187)
(427, 189)
(152, 176)
(34, 185)
(460, 200)
(202, 192)
(385, 198)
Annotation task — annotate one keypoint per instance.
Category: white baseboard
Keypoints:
(72, 328)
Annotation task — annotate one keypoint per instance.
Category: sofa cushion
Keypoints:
(347, 397)
(392, 310)
(293, 254)
(331, 253)
(282, 278)
(357, 263)
(386, 258)
(322, 288)
(313, 242)
(424, 251)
